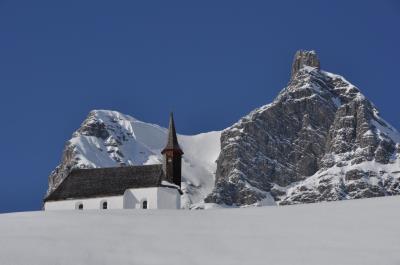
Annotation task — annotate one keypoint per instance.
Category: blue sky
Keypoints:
(211, 62)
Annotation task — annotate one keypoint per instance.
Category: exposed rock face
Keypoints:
(320, 140)
(304, 58)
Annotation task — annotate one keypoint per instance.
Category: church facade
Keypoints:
(129, 187)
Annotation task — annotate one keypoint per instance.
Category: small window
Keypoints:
(80, 206)
(104, 205)
(144, 205)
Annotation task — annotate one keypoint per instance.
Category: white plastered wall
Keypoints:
(157, 198)
(133, 198)
(113, 202)
(168, 198)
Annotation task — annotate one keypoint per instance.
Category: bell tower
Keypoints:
(172, 154)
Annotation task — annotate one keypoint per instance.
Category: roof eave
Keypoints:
(174, 149)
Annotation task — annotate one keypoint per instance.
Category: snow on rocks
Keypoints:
(319, 140)
(110, 139)
(312, 141)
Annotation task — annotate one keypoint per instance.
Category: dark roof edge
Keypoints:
(79, 198)
(172, 187)
(110, 168)
(115, 194)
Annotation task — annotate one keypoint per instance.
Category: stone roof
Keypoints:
(100, 182)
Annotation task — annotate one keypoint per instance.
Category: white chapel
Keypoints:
(130, 187)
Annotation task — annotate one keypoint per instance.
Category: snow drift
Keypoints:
(346, 233)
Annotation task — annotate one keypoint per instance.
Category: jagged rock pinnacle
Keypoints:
(304, 58)
(319, 140)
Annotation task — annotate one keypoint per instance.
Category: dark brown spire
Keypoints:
(172, 141)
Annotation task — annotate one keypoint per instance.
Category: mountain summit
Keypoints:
(319, 140)
(304, 58)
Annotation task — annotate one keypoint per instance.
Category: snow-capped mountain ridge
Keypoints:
(109, 139)
(319, 140)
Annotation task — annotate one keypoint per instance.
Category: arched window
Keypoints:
(80, 206)
(104, 205)
(144, 204)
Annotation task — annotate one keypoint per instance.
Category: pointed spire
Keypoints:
(172, 141)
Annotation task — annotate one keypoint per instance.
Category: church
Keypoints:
(129, 187)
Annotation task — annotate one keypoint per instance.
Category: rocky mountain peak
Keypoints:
(304, 58)
(319, 140)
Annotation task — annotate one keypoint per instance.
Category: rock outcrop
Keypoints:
(304, 58)
(320, 140)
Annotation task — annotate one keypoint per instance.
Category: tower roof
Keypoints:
(172, 141)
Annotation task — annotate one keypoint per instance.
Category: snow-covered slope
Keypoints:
(109, 138)
(357, 232)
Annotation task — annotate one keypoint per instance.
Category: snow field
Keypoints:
(346, 232)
